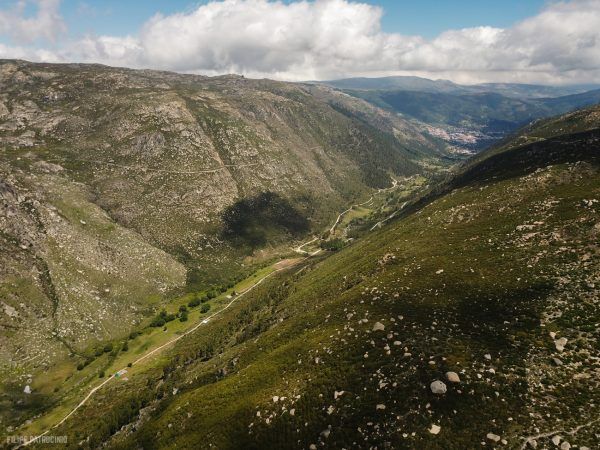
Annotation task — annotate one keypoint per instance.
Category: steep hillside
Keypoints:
(473, 321)
(120, 189)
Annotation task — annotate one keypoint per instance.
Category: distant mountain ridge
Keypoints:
(412, 83)
(469, 117)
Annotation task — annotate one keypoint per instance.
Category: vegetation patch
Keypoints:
(266, 217)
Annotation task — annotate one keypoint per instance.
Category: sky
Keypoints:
(527, 41)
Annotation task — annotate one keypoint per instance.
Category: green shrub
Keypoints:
(332, 245)
(194, 302)
(157, 322)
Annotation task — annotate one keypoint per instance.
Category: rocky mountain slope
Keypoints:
(119, 188)
(473, 321)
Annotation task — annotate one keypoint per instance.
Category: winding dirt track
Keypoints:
(150, 353)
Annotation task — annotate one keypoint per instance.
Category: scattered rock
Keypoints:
(452, 377)
(565, 446)
(27, 389)
(556, 440)
(435, 429)
(493, 437)
(438, 387)
(560, 344)
(488, 356)
(378, 326)
(380, 406)
(337, 394)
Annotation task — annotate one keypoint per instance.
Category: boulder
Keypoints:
(378, 326)
(435, 429)
(560, 344)
(438, 387)
(452, 377)
(493, 437)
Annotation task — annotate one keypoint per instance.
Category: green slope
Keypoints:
(118, 189)
(483, 281)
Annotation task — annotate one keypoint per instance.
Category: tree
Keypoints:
(108, 348)
(183, 317)
(125, 346)
(157, 322)
(205, 308)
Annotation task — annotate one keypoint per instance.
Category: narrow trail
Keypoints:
(157, 349)
(332, 229)
(304, 252)
(394, 185)
(391, 216)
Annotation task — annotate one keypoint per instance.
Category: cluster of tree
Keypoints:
(332, 245)
(162, 319)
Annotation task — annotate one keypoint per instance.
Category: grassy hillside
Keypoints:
(119, 190)
(495, 281)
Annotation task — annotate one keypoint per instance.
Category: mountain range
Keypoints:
(468, 116)
(220, 262)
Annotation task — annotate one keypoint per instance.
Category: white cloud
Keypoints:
(46, 24)
(337, 38)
